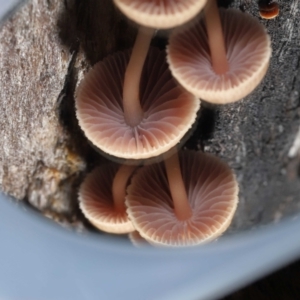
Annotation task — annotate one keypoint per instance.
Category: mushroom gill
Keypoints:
(222, 57)
(167, 215)
(168, 111)
(102, 198)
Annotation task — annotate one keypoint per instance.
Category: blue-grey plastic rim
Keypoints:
(39, 260)
(7, 7)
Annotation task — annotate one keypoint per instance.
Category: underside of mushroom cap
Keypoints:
(248, 50)
(212, 193)
(97, 204)
(169, 111)
(161, 14)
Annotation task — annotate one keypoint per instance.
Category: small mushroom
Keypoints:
(223, 57)
(186, 201)
(160, 13)
(102, 198)
(268, 9)
(143, 119)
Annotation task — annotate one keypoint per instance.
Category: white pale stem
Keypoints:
(216, 38)
(131, 89)
(182, 207)
(119, 186)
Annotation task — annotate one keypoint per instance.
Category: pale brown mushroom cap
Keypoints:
(96, 201)
(248, 49)
(169, 111)
(212, 192)
(161, 14)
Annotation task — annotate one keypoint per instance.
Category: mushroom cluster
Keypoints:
(139, 104)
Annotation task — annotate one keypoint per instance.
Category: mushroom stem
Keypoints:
(119, 186)
(131, 90)
(215, 38)
(182, 207)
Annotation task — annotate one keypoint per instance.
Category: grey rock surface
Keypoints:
(258, 136)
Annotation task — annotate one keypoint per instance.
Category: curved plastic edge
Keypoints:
(8, 7)
(33, 251)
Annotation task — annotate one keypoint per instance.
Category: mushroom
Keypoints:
(268, 9)
(143, 119)
(102, 198)
(160, 13)
(221, 58)
(186, 201)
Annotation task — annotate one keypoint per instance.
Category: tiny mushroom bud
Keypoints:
(268, 9)
(160, 13)
(102, 198)
(183, 202)
(223, 57)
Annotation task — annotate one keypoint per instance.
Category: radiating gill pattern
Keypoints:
(96, 201)
(248, 52)
(160, 13)
(212, 193)
(169, 111)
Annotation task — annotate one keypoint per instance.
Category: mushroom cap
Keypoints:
(160, 13)
(248, 49)
(96, 201)
(212, 192)
(169, 111)
(268, 10)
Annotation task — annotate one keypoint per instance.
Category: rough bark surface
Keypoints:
(35, 155)
(48, 45)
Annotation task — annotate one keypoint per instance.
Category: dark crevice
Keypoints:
(205, 127)
(66, 24)
(264, 2)
(225, 3)
(98, 41)
(160, 41)
(67, 115)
